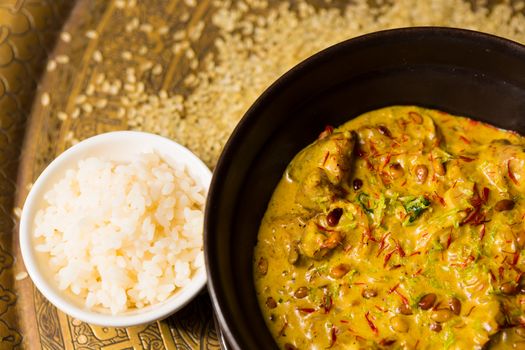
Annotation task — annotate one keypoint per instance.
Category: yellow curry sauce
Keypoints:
(401, 229)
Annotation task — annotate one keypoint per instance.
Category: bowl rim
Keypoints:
(216, 294)
(69, 159)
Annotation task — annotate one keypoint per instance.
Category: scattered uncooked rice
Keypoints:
(123, 235)
(225, 60)
(252, 51)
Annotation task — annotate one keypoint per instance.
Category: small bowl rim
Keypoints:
(69, 159)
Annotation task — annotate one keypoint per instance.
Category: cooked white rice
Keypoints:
(123, 235)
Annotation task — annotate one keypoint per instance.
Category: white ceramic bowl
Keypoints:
(119, 146)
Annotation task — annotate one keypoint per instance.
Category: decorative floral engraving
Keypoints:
(192, 327)
(9, 338)
(7, 298)
(6, 259)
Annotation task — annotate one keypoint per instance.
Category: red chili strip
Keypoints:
(511, 174)
(328, 130)
(470, 311)
(382, 244)
(387, 342)
(306, 310)
(518, 277)
(481, 220)
(464, 139)
(440, 199)
(400, 249)
(369, 236)
(492, 276)
(476, 200)
(373, 148)
(392, 290)
(404, 299)
(322, 228)
(382, 309)
(417, 272)
(333, 335)
(466, 159)
(285, 325)
(449, 240)
(482, 232)
(474, 217)
(501, 269)
(370, 323)
(385, 236)
(486, 192)
(326, 157)
(388, 256)
(515, 258)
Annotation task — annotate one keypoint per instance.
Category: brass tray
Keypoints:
(33, 322)
(54, 55)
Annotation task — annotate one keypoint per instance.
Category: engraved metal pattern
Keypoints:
(40, 324)
(27, 30)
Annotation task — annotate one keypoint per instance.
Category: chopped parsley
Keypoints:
(414, 207)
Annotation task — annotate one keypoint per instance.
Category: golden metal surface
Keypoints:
(27, 35)
(28, 31)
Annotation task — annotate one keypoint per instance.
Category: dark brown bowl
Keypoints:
(457, 71)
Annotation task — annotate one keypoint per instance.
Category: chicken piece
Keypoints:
(337, 152)
(332, 154)
(316, 191)
(321, 169)
(494, 175)
(460, 194)
(380, 139)
(505, 167)
(286, 232)
(316, 242)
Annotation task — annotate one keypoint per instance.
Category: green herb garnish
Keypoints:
(364, 200)
(414, 207)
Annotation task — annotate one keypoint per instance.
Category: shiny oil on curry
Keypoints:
(401, 229)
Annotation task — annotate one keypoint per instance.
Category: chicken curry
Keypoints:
(401, 229)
